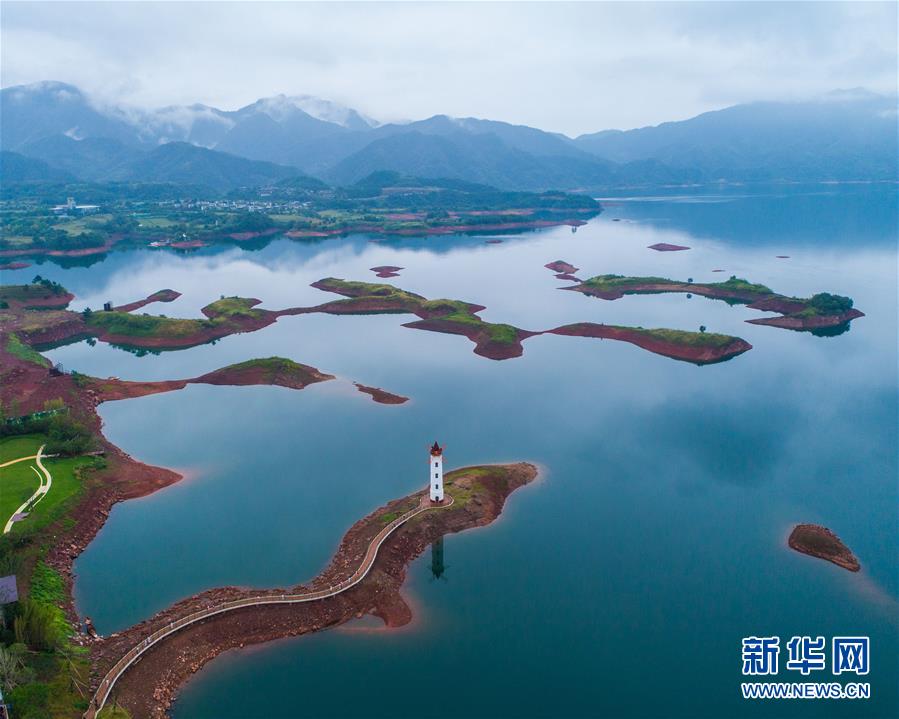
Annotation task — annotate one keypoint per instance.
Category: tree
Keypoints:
(702, 328)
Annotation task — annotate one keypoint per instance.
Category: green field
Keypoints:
(23, 446)
(18, 482)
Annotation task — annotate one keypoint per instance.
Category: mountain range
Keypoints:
(52, 130)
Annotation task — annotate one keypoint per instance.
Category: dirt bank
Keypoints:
(818, 541)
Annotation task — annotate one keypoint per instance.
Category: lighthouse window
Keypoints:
(435, 486)
(435, 475)
(435, 464)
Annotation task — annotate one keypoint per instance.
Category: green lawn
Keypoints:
(23, 446)
(19, 349)
(18, 482)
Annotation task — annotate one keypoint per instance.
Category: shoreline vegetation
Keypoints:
(820, 313)
(384, 203)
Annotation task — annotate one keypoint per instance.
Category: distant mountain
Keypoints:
(847, 135)
(183, 163)
(33, 112)
(18, 168)
(94, 158)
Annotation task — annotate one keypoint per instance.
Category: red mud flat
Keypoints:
(386, 270)
(686, 353)
(665, 247)
(15, 265)
(160, 296)
(812, 322)
(381, 396)
(717, 270)
(493, 242)
(562, 267)
(820, 542)
(567, 277)
(485, 345)
(782, 257)
(148, 688)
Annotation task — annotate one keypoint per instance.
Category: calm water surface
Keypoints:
(619, 585)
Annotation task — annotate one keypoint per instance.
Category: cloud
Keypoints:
(570, 67)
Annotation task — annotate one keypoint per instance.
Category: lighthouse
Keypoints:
(435, 473)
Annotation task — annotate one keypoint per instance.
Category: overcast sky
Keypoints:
(571, 68)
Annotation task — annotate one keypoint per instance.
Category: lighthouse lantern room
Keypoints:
(435, 473)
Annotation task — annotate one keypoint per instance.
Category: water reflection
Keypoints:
(437, 565)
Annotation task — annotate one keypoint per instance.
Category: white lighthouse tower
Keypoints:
(435, 473)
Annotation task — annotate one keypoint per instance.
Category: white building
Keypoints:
(435, 473)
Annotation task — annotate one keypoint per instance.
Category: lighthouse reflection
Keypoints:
(437, 565)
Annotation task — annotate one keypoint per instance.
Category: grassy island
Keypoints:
(818, 313)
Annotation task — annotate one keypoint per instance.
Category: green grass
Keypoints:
(24, 445)
(684, 338)
(24, 293)
(17, 483)
(231, 307)
(144, 325)
(737, 284)
(606, 283)
(19, 349)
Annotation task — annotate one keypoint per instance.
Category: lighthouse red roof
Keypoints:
(436, 450)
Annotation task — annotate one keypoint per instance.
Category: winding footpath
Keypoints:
(39, 493)
(368, 561)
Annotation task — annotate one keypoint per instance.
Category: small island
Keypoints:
(699, 348)
(820, 542)
(381, 396)
(384, 271)
(813, 314)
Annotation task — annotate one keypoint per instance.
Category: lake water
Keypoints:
(621, 584)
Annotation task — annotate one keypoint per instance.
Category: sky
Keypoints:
(564, 67)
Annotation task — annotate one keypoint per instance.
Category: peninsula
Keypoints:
(147, 688)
